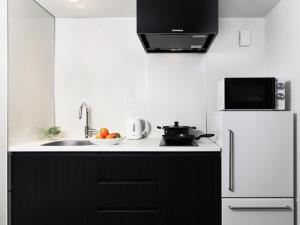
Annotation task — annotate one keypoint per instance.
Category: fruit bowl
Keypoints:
(113, 141)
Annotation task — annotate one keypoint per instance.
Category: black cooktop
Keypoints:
(191, 144)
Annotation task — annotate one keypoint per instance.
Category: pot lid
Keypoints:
(176, 126)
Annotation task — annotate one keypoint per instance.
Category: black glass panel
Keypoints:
(250, 93)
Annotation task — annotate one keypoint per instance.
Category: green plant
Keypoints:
(52, 132)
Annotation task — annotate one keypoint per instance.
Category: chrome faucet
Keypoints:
(88, 132)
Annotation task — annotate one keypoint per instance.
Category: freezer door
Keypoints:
(257, 212)
(257, 154)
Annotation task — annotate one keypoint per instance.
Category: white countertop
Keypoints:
(143, 145)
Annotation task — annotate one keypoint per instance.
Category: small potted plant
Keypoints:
(53, 133)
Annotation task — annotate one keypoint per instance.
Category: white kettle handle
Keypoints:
(146, 129)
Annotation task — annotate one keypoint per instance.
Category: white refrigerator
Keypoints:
(257, 167)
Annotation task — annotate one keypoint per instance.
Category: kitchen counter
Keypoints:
(143, 145)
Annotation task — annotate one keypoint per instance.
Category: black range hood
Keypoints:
(177, 25)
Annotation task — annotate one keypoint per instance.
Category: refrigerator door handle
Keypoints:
(259, 208)
(231, 163)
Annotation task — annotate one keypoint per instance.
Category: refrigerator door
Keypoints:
(257, 212)
(257, 154)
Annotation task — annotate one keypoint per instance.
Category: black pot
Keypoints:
(180, 135)
(176, 129)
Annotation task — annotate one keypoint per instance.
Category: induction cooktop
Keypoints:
(191, 144)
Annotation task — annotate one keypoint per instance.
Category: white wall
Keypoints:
(3, 113)
(176, 90)
(101, 61)
(97, 61)
(31, 70)
(283, 54)
(227, 59)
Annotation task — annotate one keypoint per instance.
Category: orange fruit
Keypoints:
(98, 136)
(110, 136)
(104, 132)
(114, 135)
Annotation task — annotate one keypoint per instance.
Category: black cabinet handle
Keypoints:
(127, 210)
(115, 181)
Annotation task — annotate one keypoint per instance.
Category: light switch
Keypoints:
(245, 38)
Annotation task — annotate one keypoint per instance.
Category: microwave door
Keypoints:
(250, 93)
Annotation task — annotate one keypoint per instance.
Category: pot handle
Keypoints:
(203, 136)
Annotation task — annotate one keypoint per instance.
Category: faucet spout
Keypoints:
(88, 132)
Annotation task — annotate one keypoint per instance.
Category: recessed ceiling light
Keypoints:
(74, 1)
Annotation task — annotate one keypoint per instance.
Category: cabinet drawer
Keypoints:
(126, 166)
(127, 195)
(126, 218)
(257, 212)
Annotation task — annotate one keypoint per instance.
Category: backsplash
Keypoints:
(102, 62)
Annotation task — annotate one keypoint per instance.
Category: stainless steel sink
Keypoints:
(69, 143)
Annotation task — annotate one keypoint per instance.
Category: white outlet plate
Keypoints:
(245, 38)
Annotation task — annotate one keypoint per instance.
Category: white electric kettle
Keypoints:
(135, 129)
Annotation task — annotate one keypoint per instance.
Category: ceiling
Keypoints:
(246, 8)
(126, 8)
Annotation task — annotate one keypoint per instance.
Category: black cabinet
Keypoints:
(190, 189)
(115, 188)
(48, 189)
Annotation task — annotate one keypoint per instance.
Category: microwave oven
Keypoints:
(257, 93)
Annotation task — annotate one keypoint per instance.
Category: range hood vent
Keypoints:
(176, 25)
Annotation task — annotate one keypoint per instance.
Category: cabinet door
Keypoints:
(257, 212)
(190, 188)
(123, 189)
(48, 189)
(24, 190)
(257, 154)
